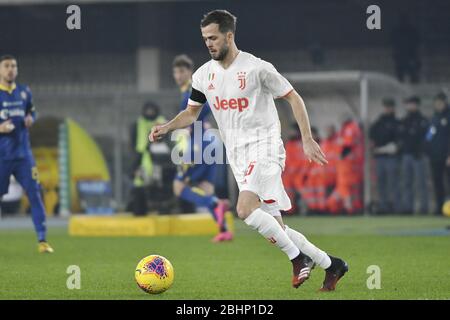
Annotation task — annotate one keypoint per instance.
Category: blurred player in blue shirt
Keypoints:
(194, 183)
(17, 115)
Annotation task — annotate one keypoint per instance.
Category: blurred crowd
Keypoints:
(335, 187)
(406, 154)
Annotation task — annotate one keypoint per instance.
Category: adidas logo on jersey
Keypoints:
(240, 104)
(211, 87)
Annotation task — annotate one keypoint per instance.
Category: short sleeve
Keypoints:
(273, 81)
(197, 97)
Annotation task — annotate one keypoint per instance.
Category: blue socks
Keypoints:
(198, 197)
(37, 213)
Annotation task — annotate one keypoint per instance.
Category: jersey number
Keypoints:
(250, 168)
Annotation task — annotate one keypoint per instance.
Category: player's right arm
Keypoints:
(280, 87)
(184, 119)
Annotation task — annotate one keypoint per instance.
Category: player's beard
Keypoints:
(222, 53)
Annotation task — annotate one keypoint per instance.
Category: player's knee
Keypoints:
(243, 211)
(178, 187)
(247, 203)
(208, 187)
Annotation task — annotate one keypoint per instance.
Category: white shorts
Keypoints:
(264, 179)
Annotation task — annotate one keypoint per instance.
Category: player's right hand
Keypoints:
(157, 133)
(313, 152)
(7, 126)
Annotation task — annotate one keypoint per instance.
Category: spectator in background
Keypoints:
(306, 181)
(322, 179)
(405, 45)
(314, 191)
(295, 167)
(347, 196)
(413, 129)
(438, 138)
(142, 166)
(384, 137)
(330, 148)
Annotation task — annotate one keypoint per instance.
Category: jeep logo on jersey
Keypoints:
(224, 104)
(241, 79)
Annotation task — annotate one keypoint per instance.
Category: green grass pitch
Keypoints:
(412, 253)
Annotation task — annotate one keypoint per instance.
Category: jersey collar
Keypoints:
(232, 62)
(8, 89)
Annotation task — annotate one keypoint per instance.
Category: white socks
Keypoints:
(306, 247)
(270, 229)
(290, 241)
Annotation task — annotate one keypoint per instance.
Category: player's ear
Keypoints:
(230, 36)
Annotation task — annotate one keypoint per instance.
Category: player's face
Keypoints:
(8, 70)
(181, 75)
(218, 43)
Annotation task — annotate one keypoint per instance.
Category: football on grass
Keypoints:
(154, 274)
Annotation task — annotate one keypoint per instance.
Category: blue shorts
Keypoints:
(24, 170)
(197, 173)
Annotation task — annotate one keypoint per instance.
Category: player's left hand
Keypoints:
(28, 121)
(313, 152)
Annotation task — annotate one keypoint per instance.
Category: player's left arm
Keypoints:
(280, 87)
(311, 147)
(30, 110)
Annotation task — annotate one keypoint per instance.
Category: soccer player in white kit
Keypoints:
(240, 89)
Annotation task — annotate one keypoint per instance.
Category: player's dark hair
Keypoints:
(183, 61)
(7, 57)
(225, 20)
